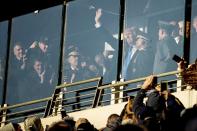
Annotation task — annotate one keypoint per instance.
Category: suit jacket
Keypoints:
(140, 64)
(163, 58)
(73, 75)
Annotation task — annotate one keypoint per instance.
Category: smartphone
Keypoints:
(154, 81)
(164, 86)
(176, 58)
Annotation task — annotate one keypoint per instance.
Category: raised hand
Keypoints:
(148, 83)
(34, 44)
(98, 16)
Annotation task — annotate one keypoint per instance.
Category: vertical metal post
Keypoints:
(117, 93)
(187, 30)
(121, 93)
(4, 118)
(121, 28)
(113, 95)
(98, 94)
(62, 41)
(51, 103)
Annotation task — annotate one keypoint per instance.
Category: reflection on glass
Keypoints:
(90, 49)
(153, 34)
(34, 56)
(193, 45)
(137, 54)
(166, 48)
(3, 49)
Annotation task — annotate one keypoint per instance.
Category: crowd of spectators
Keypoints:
(161, 112)
(152, 109)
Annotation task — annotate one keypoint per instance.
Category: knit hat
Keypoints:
(156, 102)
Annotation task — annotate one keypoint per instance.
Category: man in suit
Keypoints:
(72, 71)
(129, 49)
(166, 48)
(17, 73)
(141, 62)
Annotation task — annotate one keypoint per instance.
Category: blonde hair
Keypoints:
(33, 124)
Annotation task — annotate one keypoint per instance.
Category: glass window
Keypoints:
(153, 34)
(34, 55)
(193, 44)
(91, 47)
(3, 49)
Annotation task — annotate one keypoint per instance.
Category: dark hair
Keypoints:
(129, 127)
(61, 126)
(151, 124)
(113, 121)
(85, 127)
(166, 26)
(16, 126)
(69, 120)
(156, 102)
(188, 115)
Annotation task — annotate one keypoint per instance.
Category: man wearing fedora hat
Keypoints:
(72, 71)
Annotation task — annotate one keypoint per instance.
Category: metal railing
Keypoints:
(138, 80)
(66, 85)
(64, 102)
(26, 103)
(14, 113)
(57, 100)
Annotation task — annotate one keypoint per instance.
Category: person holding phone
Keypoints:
(161, 108)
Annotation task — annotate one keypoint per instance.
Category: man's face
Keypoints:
(38, 66)
(99, 60)
(73, 60)
(128, 36)
(161, 34)
(140, 43)
(43, 46)
(18, 52)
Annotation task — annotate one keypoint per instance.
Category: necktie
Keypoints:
(126, 62)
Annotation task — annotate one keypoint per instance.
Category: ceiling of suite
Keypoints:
(12, 8)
